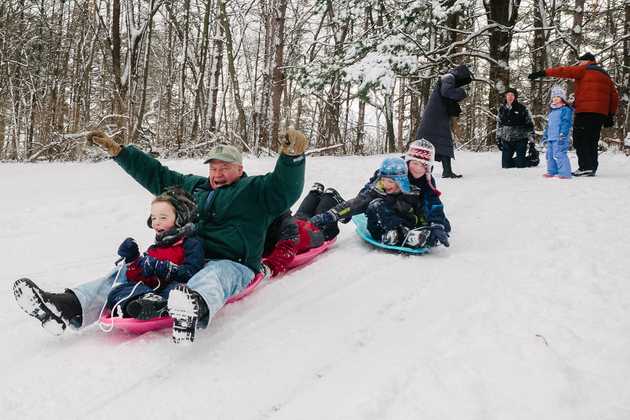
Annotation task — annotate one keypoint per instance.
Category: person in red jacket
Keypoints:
(141, 290)
(290, 235)
(596, 101)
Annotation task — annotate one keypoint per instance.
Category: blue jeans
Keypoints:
(217, 281)
(557, 158)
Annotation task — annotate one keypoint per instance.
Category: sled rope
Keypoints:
(108, 328)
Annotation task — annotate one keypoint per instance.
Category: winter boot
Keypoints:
(186, 307)
(54, 310)
(417, 238)
(390, 237)
(317, 187)
(447, 170)
(583, 172)
(147, 307)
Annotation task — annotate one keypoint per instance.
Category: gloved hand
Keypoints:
(536, 75)
(438, 235)
(128, 250)
(293, 142)
(323, 219)
(151, 266)
(500, 144)
(609, 121)
(105, 142)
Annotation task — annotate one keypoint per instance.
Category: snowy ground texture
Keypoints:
(526, 316)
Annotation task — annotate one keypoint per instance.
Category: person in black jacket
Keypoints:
(437, 118)
(514, 129)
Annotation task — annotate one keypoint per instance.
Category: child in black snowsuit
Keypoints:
(142, 289)
(290, 235)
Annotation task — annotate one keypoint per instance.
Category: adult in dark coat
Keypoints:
(596, 102)
(435, 125)
(514, 129)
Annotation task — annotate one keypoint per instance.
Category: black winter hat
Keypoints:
(185, 207)
(587, 57)
(512, 90)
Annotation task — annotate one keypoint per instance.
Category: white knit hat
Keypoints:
(421, 150)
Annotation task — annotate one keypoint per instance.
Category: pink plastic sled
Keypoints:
(305, 257)
(137, 326)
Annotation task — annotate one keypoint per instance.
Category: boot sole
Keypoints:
(28, 297)
(184, 310)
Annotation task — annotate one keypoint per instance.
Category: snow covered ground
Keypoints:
(525, 316)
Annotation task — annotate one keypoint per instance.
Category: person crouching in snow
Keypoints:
(290, 235)
(141, 290)
(393, 208)
(556, 135)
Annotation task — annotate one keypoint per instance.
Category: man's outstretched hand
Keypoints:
(105, 142)
(293, 142)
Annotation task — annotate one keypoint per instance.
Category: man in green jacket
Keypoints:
(234, 213)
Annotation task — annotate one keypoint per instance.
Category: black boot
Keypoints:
(145, 307)
(447, 170)
(309, 205)
(187, 308)
(54, 310)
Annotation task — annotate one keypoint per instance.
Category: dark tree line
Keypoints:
(177, 76)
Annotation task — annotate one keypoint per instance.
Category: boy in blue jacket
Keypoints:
(556, 135)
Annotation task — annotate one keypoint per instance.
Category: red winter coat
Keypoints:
(594, 90)
(174, 253)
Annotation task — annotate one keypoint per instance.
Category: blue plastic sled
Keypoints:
(361, 222)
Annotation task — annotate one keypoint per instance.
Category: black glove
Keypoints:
(438, 235)
(324, 219)
(536, 75)
(128, 250)
(500, 144)
(151, 266)
(609, 121)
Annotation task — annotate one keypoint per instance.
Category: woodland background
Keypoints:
(176, 76)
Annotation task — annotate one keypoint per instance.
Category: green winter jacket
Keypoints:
(234, 218)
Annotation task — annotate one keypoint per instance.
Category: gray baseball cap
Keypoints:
(225, 153)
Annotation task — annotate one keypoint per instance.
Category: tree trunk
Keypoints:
(236, 94)
(358, 147)
(216, 77)
(278, 80)
(577, 31)
(505, 13)
(200, 105)
(539, 62)
(401, 114)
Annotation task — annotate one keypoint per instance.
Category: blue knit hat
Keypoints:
(395, 168)
(559, 91)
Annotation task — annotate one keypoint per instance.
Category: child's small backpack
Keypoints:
(532, 158)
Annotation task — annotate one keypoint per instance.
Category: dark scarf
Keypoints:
(171, 236)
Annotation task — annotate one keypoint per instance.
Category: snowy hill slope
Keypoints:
(525, 316)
